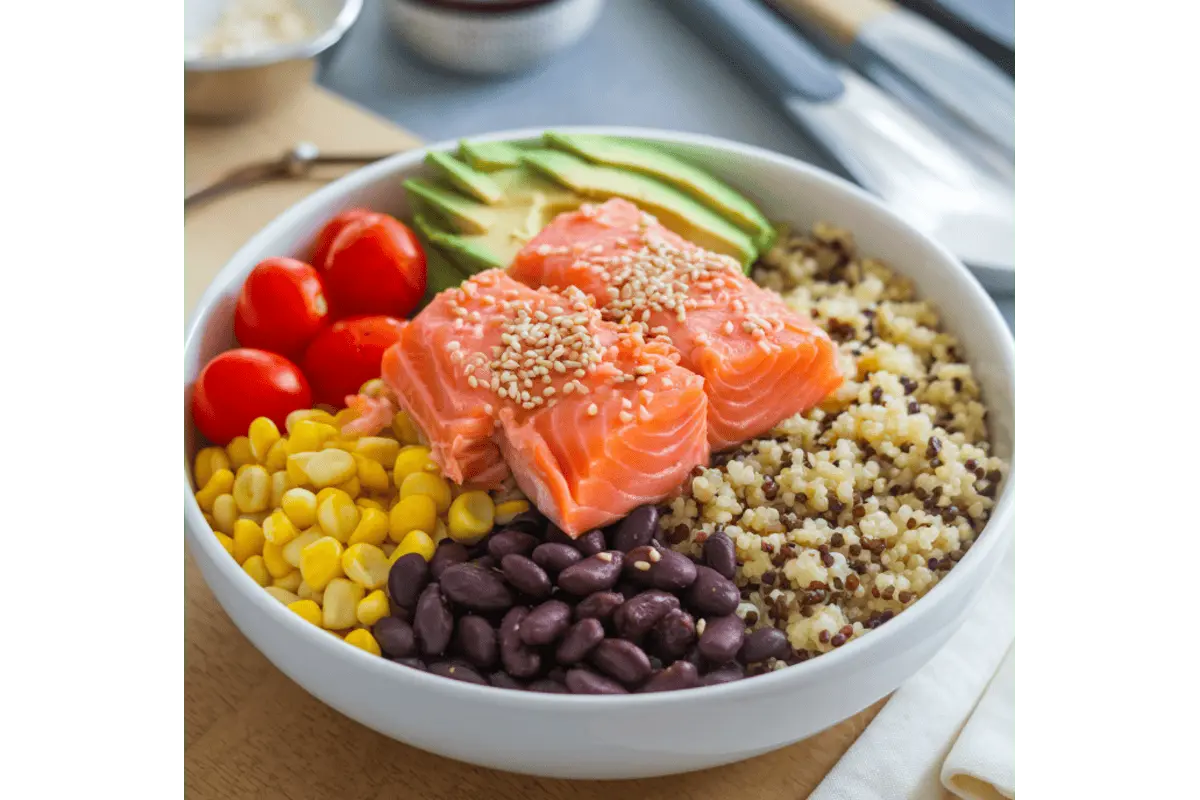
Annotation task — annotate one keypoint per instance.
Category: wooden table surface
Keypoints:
(250, 731)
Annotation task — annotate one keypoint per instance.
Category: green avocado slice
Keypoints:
(440, 272)
(677, 211)
(489, 156)
(465, 215)
(466, 180)
(470, 257)
(647, 159)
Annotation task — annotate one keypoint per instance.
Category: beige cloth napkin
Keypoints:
(936, 730)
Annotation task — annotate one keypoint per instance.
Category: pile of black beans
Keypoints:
(611, 612)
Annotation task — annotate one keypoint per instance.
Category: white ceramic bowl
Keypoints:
(636, 735)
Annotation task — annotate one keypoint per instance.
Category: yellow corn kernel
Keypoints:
(373, 608)
(282, 595)
(351, 487)
(428, 483)
(373, 388)
(366, 565)
(263, 435)
(280, 483)
(326, 493)
(307, 610)
(329, 468)
(372, 527)
(344, 417)
(470, 516)
(340, 609)
(405, 429)
(415, 458)
(306, 592)
(252, 489)
(255, 568)
(321, 562)
(277, 456)
(248, 540)
(212, 523)
(367, 502)
(363, 640)
(291, 581)
(293, 549)
(239, 452)
(226, 542)
(208, 461)
(257, 517)
(225, 513)
(416, 512)
(272, 555)
(295, 468)
(337, 515)
(220, 483)
(509, 509)
(306, 437)
(371, 474)
(311, 414)
(415, 542)
(300, 506)
(339, 444)
(439, 531)
(378, 448)
(278, 529)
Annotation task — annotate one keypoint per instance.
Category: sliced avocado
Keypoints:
(464, 214)
(646, 158)
(489, 156)
(440, 272)
(469, 256)
(676, 210)
(468, 181)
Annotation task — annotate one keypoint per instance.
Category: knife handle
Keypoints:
(752, 36)
(839, 19)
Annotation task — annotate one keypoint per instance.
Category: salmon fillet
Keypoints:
(761, 362)
(591, 419)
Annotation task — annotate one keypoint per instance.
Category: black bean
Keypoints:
(693, 657)
(411, 662)
(673, 635)
(525, 576)
(506, 542)
(680, 675)
(555, 534)
(458, 671)
(672, 572)
(530, 521)
(591, 543)
(406, 579)
(448, 552)
(712, 594)
(519, 659)
(555, 557)
(475, 638)
(485, 562)
(636, 529)
(503, 680)
(556, 673)
(580, 639)
(720, 554)
(593, 574)
(638, 562)
(623, 660)
(475, 588)
(722, 638)
(765, 643)
(433, 623)
(642, 612)
(725, 674)
(545, 623)
(395, 638)
(599, 605)
(400, 612)
(628, 589)
(583, 681)
(548, 686)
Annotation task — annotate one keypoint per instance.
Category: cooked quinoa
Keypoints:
(845, 515)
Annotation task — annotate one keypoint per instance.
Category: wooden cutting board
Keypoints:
(250, 731)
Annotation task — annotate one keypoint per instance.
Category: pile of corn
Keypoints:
(317, 517)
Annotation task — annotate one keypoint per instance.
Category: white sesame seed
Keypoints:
(605, 557)
(592, 410)
(625, 417)
(655, 556)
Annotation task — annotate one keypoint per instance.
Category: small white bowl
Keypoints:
(227, 87)
(491, 42)
(630, 736)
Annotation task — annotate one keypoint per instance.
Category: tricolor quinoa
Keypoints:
(846, 514)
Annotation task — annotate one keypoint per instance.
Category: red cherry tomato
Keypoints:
(347, 354)
(331, 230)
(281, 307)
(375, 266)
(239, 385)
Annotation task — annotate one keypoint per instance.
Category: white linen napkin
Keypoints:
(903, 752)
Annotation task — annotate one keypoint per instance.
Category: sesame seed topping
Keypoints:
(625, 417)
(592, 410)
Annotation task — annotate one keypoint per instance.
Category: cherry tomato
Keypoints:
(239, 385)
(347, 354)
(281, 307)
(375, 266)
(331, 230)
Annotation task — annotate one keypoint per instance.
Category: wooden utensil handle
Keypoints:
(841, 19)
